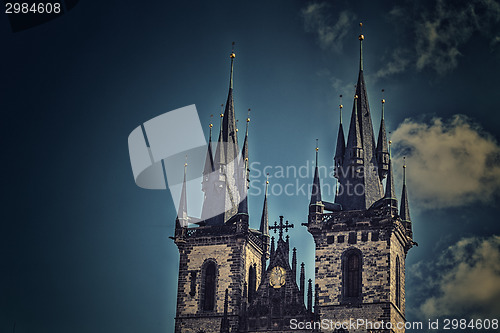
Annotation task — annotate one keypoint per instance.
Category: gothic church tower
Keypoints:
(361, 239)
(222, 257)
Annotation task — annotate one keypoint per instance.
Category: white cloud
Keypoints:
(462, 282)
(330, 34)
(451, 163)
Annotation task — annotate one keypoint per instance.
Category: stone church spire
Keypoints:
(264, 221)
(316, 187)
(222, 199)
(360, 186)
(382, 148)
(389, 185)
(209, 162)
(228, 140)
(182, 219)
(244, 174)
(404, 211)
(340, 150)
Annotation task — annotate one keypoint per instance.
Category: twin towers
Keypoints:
(231, 277)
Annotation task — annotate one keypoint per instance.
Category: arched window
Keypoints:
(208, 299)
(398, 283)
(252, 283)
(351, 275)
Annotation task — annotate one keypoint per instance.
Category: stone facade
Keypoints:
(233, 248)
(380, 237)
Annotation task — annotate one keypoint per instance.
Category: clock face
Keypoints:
(278, 277)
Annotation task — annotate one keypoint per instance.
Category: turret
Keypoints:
(302, 282)
(244, 181)
(404, 211)
(340, 150)
(182, 219)
(382, 149)
(309, 295)
(264, 230)
(354, 147)
(389, 185)
(209, 163)
(316, 205)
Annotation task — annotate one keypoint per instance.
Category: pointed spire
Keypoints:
(182, 215)
(294, 265)
(389, 185)
(272, 247)
(209, 161)
(264, 221)
(361, 37)
(316, 303)
(244, 150)
(340, 151)
(309, 295)
(302, 282)
(360, 154)
(244, 173)
(354, 144)
(316, 188)
(382, 148)
(219, 152)
(404, 211)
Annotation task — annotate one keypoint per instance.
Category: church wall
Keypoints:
(375, 266)
(227, 253)
(253, 256)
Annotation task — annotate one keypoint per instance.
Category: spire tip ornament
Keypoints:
(233, 55)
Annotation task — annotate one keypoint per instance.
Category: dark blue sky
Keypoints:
(83, 249)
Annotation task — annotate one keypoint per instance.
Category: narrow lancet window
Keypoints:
(208, 301)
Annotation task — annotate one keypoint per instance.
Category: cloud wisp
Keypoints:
(452, 163)
(463, 281)
(330, 33)
(441, 32)
(438, 32)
